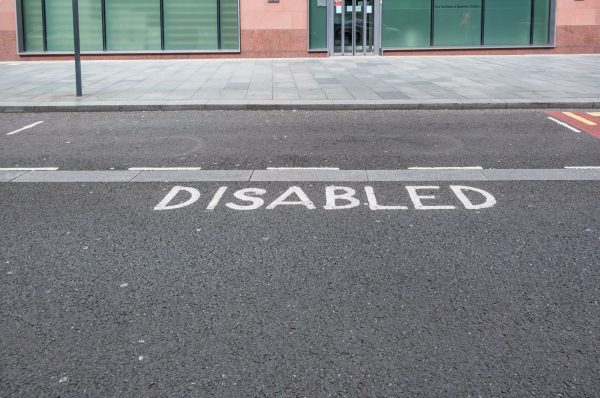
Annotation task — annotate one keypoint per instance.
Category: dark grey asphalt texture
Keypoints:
(102, 296)
(255, 140)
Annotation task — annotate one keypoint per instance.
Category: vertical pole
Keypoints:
(343, 28)
(365, 32)
(77, 48)
(353, 27)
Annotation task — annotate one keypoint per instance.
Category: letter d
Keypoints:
(459, 191)
(164, 204)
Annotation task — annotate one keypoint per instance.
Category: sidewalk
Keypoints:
(457, 82)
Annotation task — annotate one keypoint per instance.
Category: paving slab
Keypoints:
(542, 174)
(309, 175)
(77, 176)
(433, 82)
(425, 175)
(192, 175)
(6, 176)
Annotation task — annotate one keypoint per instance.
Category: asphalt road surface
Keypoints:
(285, 289)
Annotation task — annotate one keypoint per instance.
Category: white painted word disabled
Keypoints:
(335, 198)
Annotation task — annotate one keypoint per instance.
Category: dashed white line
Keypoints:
(303, 168)
(28, 168)
(583, 167)
(165, 168)
(24, 128)
(447, 168)
(564, 124)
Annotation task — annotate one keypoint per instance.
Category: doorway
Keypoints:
(354, 27)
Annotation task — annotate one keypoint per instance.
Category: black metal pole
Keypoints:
(77, 48)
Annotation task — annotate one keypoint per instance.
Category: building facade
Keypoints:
(138, 29)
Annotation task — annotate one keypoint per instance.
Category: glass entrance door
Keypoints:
(353, 27)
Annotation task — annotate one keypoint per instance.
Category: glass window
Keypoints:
(59, 25)
(317, 38)
(133, 25)
(190, 24)
(406, 23)
(33, 28)
(229, 25)
(457, 23)
(541, 21)
(507, 22)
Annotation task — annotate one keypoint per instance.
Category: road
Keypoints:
(300, 287)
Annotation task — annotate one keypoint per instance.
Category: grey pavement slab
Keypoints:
(195, 175)
(77, 176)
(6, 176)
(306, 175)
(425, 175)
(542, 174)
(440, 81)
(309, 175)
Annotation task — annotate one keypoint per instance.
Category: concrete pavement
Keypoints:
(457, 82)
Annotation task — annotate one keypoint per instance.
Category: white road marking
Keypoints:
(303, 200)
(25, 128)
(164, 204)
(303, 168)
(459, 191)
(448, 168)
(216, 199)
(416, 198)
(336, 198)
(583, 167)
(564, 124)
(164, 168)
(373, 205)
(28, 168)
(332, 196)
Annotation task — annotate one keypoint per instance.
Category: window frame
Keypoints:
(20, 23)
(551, 35)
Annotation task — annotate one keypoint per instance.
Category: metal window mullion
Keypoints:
(353, 27)
(551, 22)
(162, 25)
(482, 22)
(431, 22)
(343, 29)
(44, 31)
(219, 40)
(531, 21)
(365, 31)
(103, 11)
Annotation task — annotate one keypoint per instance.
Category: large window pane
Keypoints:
(59, 25)
(507, 22)
(190, 24)
(132, 25)
(33, 26)
(541, 21)
(457, 23)
(406, 23)
(317, 38)
(229, 25)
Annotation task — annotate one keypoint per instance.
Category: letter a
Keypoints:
(303, 199)
(164, 204)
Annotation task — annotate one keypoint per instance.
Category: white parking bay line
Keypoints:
(303, 168)
(583, 167)
(28, 168)
(165, 168)
(447, 168)
(564, 124)
(25, 128)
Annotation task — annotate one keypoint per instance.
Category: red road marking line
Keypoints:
(591, 130)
